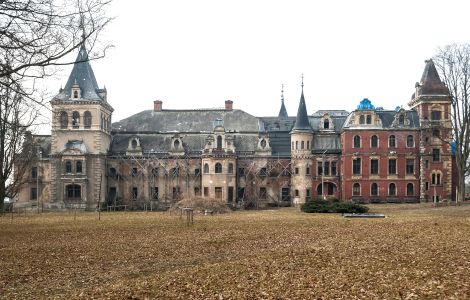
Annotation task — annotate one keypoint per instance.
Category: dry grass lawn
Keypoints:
(416, 252)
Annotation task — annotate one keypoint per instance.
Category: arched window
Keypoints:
(64, 120)
(326, 124)
(409, 141)
(230, 168)
(435, 115)
(73, 191)
(75, 94)
(374, 189)
(391, 141)
(374, 141)
(219, 142)
(392, 189)
(361, 119)
(401, 120)
(409, 189)
(134, 144)
(302, 145)
(206, 168)
(263, 143)
(218, 168)
(75, 119)
(356, 189)
(87, 117)
(68, 166)
(78, 166)
(357, 142)
(176, 143)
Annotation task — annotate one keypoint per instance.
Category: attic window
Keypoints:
(75, 94)
(263, 143)
(176, 144)
(134, 144)
(401, 120)
(361, 119)
(326, 124)
(368, 119)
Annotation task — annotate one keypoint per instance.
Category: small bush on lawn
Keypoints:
(324, 206)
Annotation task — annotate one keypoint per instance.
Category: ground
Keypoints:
(416, 252)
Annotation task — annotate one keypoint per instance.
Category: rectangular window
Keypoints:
(262, 193)
(307, 170)
(327, 168)
(426, 186)
(218, 192)
(34, 194)
(307, 194)
(435, 154)
(392, 166)
(333, 168)
(426, 163)
(357, 166)
(297, 193)
(374, 166)
(296, 171)
(319, 168)
(134, 193)
(285, 194)
(410, 166)
(34, 172)
(206, 191)
(154, 193)
(435, 115)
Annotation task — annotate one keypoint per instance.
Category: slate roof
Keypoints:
(301, 121)
(187, 121)
(82, 74)
(430, 83)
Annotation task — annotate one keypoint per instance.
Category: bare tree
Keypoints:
(17, 149)
(453, 64)
(38, 34)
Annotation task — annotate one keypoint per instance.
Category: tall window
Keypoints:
(33, 194)
(134, 193)
(409, 189)
(307, 170)
(401, 120)
(409, 141)
(218, 168)
(356, 189)
(327, 168)
(64, 120)
(34, 172)
(333, 168)
(357, 141)
(410, 166)
(154, 193)
(368, 119)
(319, 168)
(262, 193)
(134, 172)
(392, 166)
(392, 189)
(361, 119)
(78, 166)
(374, 189)
(206, 168)
(436, 178)
(357, 166)
(374, 141)
(302, 145)
(230, 168)
(68, 166)
(326, 124)
(219, 142)
(391, 141)
(435, 154)
(75, 119)
(374, 166)
(87, 117)
(435, 115)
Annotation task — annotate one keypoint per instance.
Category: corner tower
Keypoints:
(432, 102)
(301, 137)
(81, 125)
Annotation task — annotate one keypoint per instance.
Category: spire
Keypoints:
(283, 111)
(83, 76)
(430, 83)
(302, 122)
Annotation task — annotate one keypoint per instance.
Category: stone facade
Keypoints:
(160, 156)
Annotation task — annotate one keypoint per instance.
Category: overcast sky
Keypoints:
(197, 54)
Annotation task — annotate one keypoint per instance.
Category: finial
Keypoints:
(282, 93)
(302, 81)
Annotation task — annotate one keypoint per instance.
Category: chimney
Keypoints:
(157, 105)
(228, 105)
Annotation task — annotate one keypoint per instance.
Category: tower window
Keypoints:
(435, 155)
(75, 119)
(302, 145)
(87, 121)
(218, 168)
(75, 94)
(74, 191)
(64, 120)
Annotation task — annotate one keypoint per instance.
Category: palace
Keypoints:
(160, 156)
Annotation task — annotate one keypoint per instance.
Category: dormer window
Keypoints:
(368, 119)
(361, 119)
(263, 143)
(326, 124)
(176, 144)
(401, 120)
(75, 94)
(134, 144)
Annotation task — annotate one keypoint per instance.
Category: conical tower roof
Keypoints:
(82, 75)
(430, 83)
(301, 122)
(283, 111)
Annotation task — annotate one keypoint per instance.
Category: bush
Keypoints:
(324, 206)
